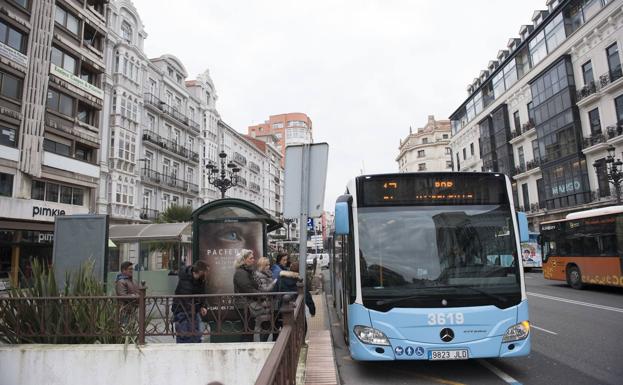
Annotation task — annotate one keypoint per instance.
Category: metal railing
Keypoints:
(280, 366)
(604, 80)
(170, 145)
(54, 319)
(173, 112)
(149, 214)
(595, 138)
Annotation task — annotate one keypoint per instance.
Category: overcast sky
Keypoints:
(362, 70)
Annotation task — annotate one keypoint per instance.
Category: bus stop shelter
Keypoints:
(158, 251)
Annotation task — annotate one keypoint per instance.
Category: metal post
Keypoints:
(304, 213)
(141, 313)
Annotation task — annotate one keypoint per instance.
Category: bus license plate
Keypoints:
(460, 354)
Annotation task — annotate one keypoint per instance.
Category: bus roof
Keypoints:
(590, 213)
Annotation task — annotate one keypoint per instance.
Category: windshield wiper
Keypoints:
(486, 294)
(479, 291)
(395, 300)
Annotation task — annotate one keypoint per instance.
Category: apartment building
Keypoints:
(546, 109)
(427, 149)
(171, 139)
(51, 100)
(260, 177)
(289, 129)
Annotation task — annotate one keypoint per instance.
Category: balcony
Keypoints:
(192, 187)
(254, 187)
(183, 152)
(586, 91)
(254, 167)
(593, 91)
(241, 181)
(149, 214)
(614, 131)
(524, 129)
(170, 111)
(596, 137)
(151, 175)
(240, 159)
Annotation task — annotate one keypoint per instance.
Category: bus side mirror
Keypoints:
(522, 224)
(342, 223)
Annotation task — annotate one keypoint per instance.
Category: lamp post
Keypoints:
(225, 177)
(614, 172)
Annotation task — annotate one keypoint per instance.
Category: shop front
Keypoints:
(26, 235)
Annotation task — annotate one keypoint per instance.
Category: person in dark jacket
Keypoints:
(289, 284)
(187, 312)
(244, 282)
(124, 285)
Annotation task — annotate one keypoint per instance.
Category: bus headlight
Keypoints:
(517, 332)
(370, 336)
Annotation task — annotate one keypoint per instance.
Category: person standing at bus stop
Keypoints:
(187, 312)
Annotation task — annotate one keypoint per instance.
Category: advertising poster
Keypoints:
(531, 254)
(220, 242)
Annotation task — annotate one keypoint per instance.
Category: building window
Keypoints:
(448, 151)
(420, 154)
(6, 185)
(87, 114)
(614, 63)
(23, 3)
(126, 31)
(520, 155)
(526, 196)
(445, 136)
(63, 60)
(51, 192)
(56, 147)
(464, 153)
(12, 37)
(471, 149)
(67, 20)
(424, 140)
(60, 102)
(8, 136)
(538, 49)
(587, 73)
(10, 86)
(517, 122)
(448, 164)
(555, 33)
(618, 104)
(83, 153)
(593, 120)
(421, 167)
(37, 190)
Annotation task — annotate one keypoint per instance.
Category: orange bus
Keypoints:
(585, 248)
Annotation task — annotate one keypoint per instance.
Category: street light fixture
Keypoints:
(225, 177)
(614, 171)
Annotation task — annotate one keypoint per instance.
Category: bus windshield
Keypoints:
(464, 254)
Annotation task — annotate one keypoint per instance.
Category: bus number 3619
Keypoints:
(445, 318)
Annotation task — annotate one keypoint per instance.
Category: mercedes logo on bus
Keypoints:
(446, 335)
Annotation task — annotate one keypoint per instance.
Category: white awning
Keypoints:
(151, 232)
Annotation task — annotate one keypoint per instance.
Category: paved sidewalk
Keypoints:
(320, 367)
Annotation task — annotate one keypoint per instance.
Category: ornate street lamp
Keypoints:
(614, 172)
(225, 177)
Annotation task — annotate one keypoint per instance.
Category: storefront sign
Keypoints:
(29, 209)
(13, 55)
(76, 81)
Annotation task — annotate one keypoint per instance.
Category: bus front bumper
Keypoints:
(491, 347)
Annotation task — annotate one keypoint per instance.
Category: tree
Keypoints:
(175, 214)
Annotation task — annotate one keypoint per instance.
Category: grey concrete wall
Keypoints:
(156, 364)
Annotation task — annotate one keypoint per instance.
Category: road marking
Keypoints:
(544, 330)
(437, 380)
(610, 308)
(505, 377)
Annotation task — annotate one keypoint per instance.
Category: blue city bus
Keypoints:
(426, 266)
